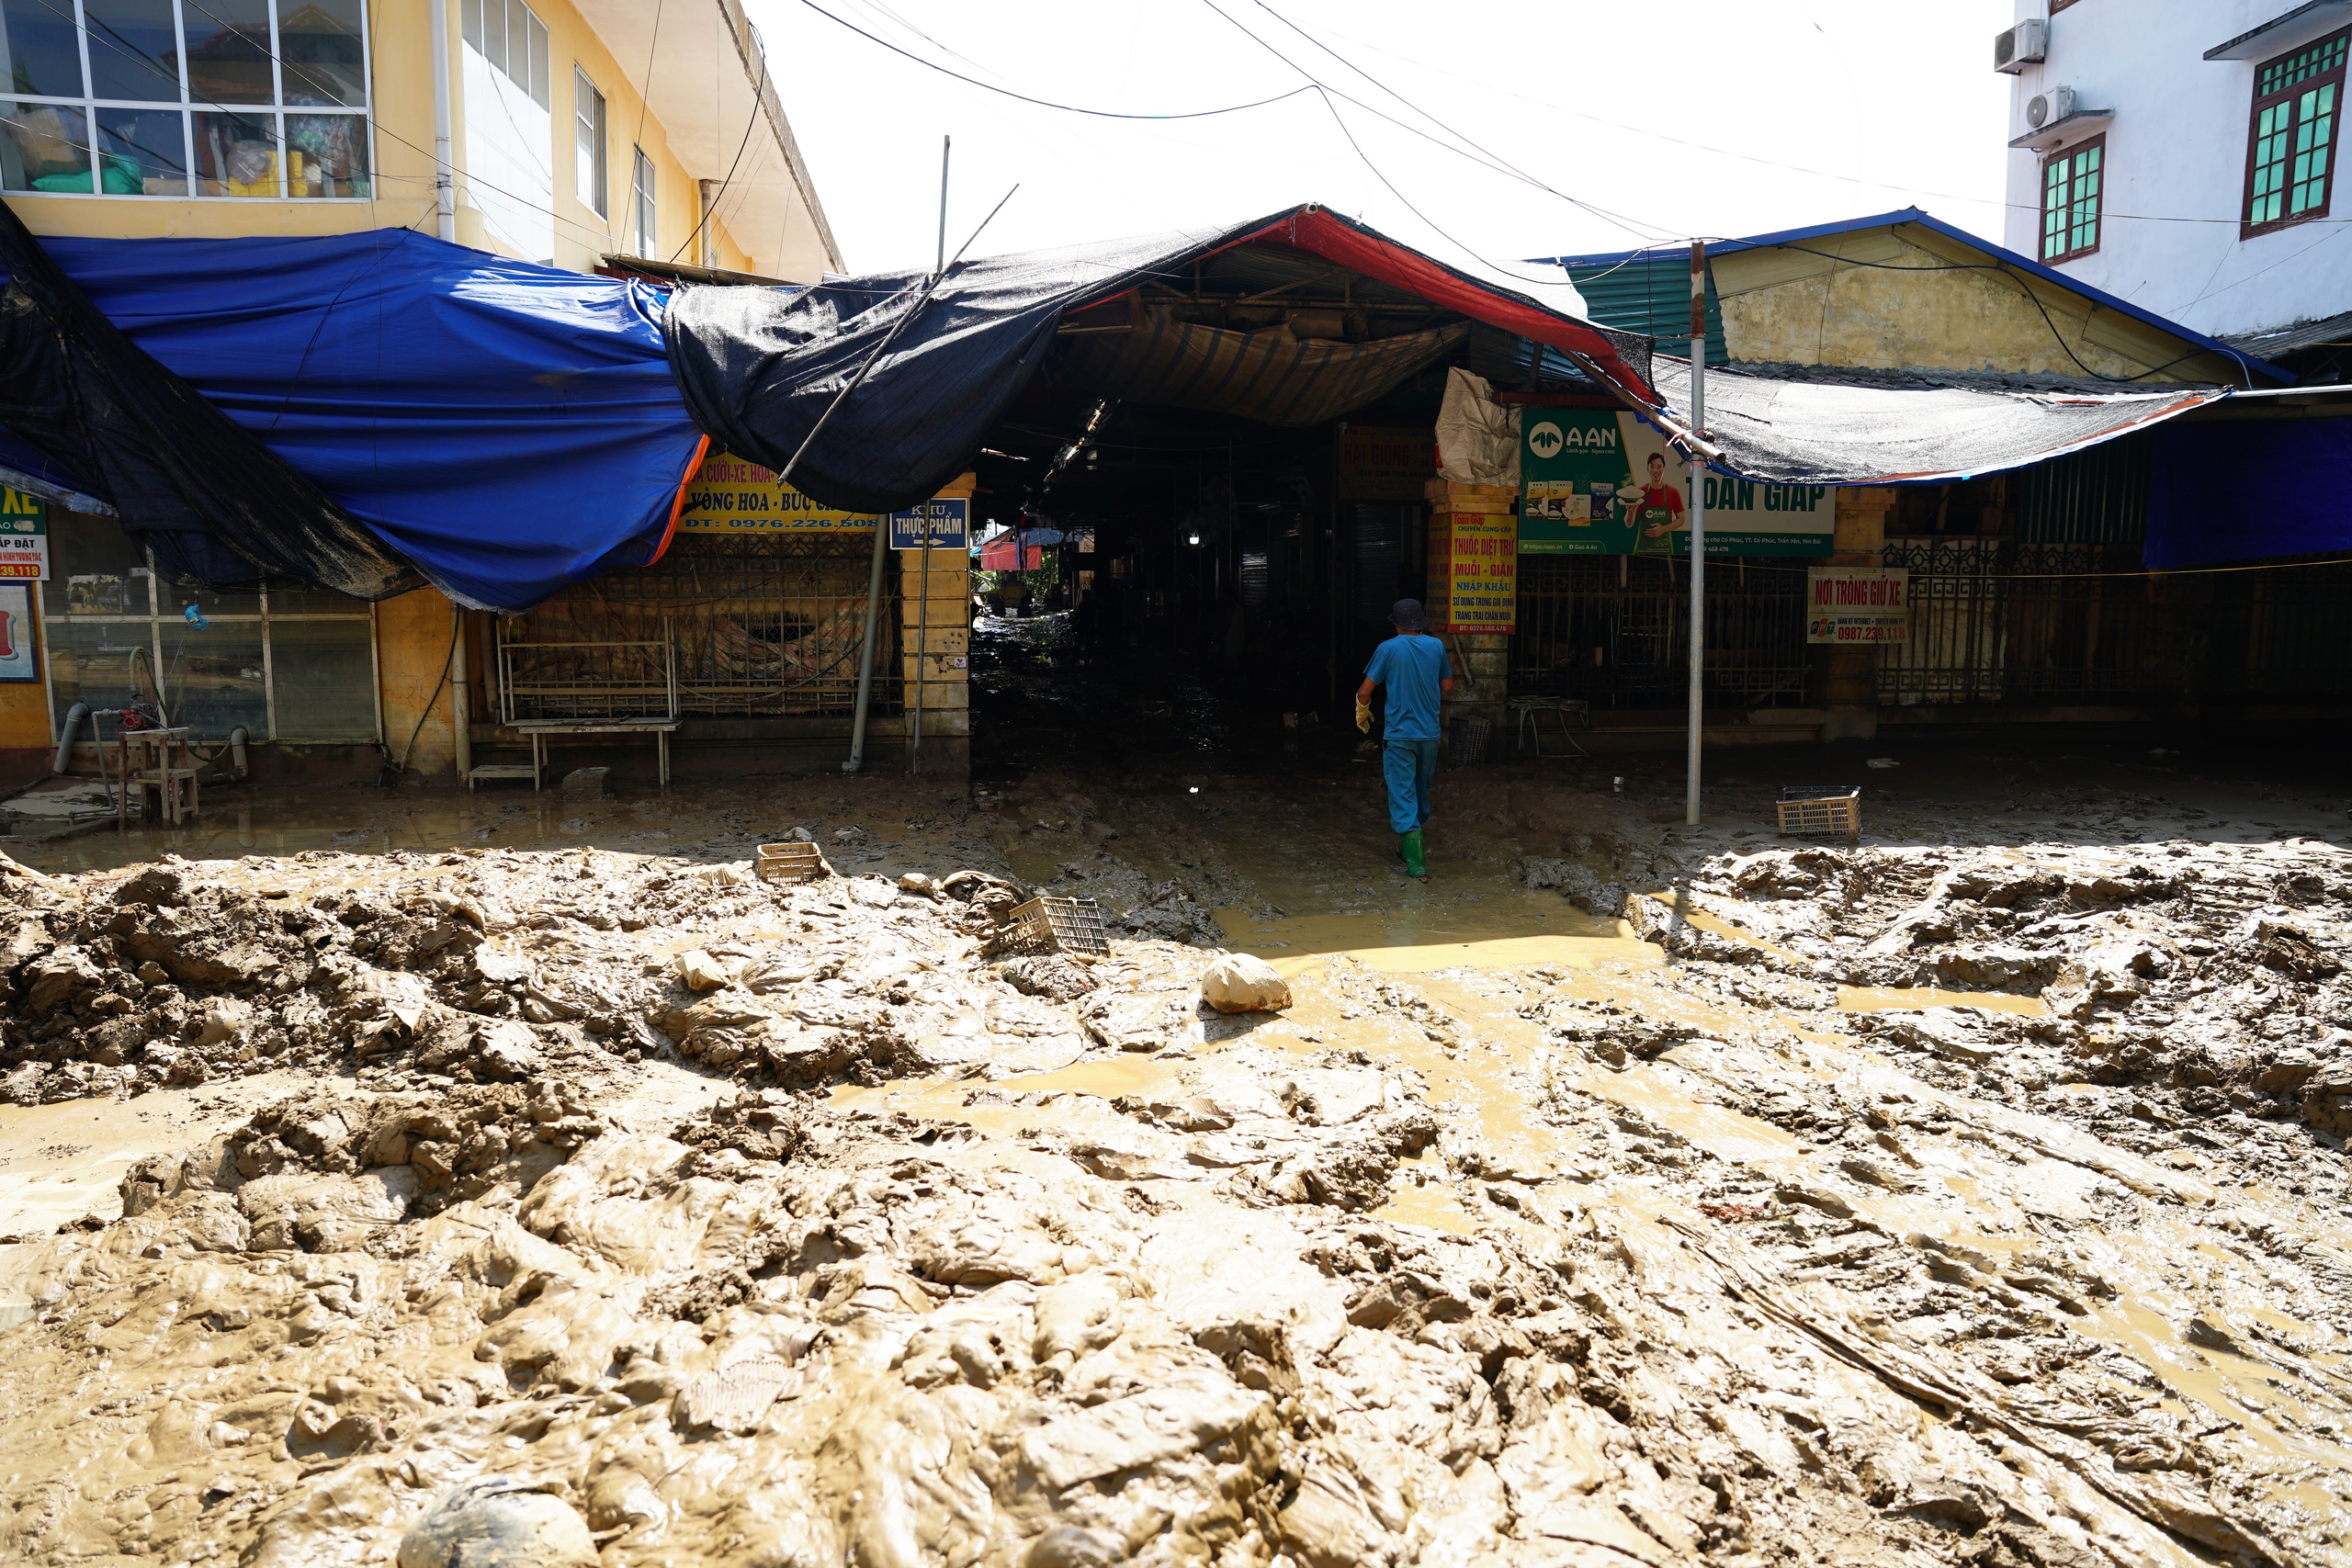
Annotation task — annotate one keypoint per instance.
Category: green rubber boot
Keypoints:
(1408, 848)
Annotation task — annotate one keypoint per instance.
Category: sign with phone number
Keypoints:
(1856, 604)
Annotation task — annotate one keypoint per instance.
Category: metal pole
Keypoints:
(942, 266)
(923, 643)
(444, 189)
(881, 525)
(865, 654)
(923, 606)
(1698, 521)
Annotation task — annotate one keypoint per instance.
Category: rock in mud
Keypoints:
(1239, 982)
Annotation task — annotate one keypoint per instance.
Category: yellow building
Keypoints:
(600, 135)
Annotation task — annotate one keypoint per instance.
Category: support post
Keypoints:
(445, 186)
(865, 651)
(1697, 523)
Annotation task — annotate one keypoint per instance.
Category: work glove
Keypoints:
(1363, 716)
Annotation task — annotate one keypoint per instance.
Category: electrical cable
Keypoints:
(1496, 160)
(1481, 158)
(710, 206)
(448, 662)
(1767, 163)
(1042, 102)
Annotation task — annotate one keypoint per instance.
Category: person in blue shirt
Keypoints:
(1414, 668)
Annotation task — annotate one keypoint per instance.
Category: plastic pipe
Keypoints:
(445, 185)
(237, 739)
(74, 717)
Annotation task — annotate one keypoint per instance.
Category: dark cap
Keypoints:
(1406, 617)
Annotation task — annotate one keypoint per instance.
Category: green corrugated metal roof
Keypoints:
(1652, 296)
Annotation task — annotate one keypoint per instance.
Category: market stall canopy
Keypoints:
(365, 412)
(760, 367)
(340, 410)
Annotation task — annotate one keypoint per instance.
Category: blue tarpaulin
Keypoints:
(2248, 490)
(509, 429)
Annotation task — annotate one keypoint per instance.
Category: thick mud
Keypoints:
(1974, 1193)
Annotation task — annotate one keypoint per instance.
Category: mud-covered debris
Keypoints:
(1240, 982)
(1050, 975)
(498, 1522)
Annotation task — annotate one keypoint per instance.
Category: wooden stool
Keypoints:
(156, 760)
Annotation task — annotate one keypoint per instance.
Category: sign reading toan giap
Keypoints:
(1856, 604)
(1598, 482)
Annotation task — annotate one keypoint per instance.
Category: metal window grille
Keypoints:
(1615, 631)
(1995, 620)
(753, 626)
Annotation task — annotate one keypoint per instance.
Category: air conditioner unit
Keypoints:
(2025, 44)
(2047, 109)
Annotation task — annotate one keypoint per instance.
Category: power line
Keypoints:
(1494, 160)
(1750, 157)
(1480, 156)
(749, 125)
(1042, 102)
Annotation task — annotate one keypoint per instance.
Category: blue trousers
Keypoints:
(1409, 766)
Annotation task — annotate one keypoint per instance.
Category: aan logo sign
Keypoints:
(1547, 440)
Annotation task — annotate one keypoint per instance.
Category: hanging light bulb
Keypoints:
(1193, 540)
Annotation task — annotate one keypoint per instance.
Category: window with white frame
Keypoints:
(642, 203)
(588, 144)
(236, 98)
(514, 41)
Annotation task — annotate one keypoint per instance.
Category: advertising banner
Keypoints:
(1597, 483)
(1474, 572)
(24, 537)
(734, 495)
(1854, 605)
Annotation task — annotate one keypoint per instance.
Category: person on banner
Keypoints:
(1656, 508)
(1414, 668)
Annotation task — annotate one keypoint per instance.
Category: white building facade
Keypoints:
(2183, 155)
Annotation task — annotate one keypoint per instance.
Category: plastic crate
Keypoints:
(1822, 809)
(1468, 739)
(790, 862)
(1053, 925)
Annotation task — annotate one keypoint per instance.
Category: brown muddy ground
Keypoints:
(516, 1180)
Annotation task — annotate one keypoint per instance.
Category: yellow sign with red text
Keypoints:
(1474, 572)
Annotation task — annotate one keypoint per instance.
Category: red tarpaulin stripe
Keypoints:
(678, 503)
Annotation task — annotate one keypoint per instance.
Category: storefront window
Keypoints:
(294, 664)
(182, 98)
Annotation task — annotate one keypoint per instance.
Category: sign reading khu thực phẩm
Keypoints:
(1596, 482)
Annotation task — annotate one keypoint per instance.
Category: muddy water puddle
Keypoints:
(1511, 932)
(1891, 999)
(61, 1161)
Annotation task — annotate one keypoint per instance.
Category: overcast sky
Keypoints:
(1668, 118)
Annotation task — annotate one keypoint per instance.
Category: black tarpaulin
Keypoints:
(214, 503)
(759, 366)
